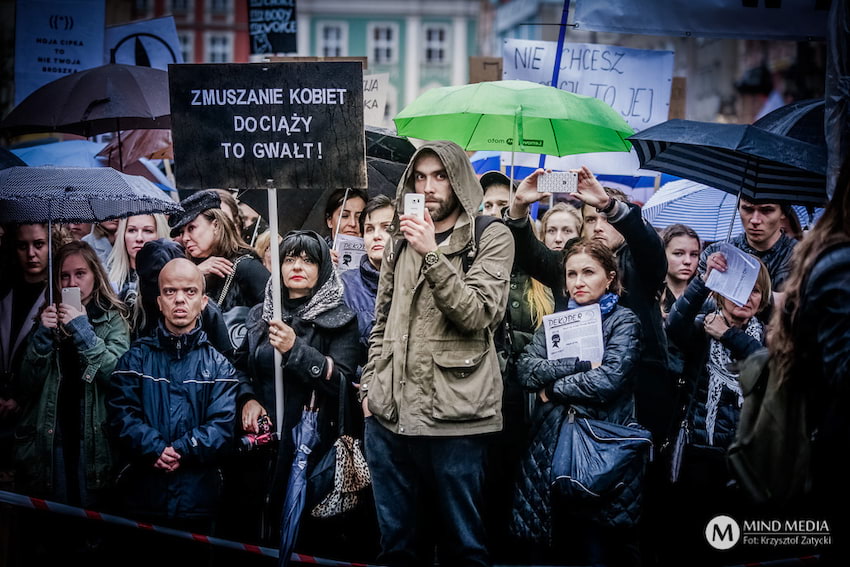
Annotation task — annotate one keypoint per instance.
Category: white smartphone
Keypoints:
(558, 182)
(71, 296)
(414, 204)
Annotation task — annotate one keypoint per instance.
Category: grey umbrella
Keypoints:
(31, 195)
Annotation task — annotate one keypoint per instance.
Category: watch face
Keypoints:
(431, 258)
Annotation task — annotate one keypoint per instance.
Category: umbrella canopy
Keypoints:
(801, 120)
(305, 436)
(306, 209)
(487, 116)
(135, 144)
(102, 99)
(385, 144)
(77, 194)
(759, 164)
(70, 153)
(707, 210)
(9, 159)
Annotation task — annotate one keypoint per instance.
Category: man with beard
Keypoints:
(432, 389)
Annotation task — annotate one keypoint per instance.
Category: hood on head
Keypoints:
(462, 176)
(149, 262)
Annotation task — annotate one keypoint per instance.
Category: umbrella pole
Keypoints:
(275, 261)
(512, 176)
(339, 218)
(120, 152)
(49, 255)
(732, 221)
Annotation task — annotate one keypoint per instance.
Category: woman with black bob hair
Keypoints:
(317, 338)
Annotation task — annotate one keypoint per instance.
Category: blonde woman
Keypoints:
(131, 235)
(561, 223)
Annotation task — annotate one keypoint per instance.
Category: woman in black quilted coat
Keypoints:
(604, 533)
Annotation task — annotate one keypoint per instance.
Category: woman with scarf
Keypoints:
(713, 337)
(605, 534)
(317, 338)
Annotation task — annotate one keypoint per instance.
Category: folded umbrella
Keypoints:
(305, 436)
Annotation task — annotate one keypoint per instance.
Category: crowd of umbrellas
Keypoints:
(781, 158)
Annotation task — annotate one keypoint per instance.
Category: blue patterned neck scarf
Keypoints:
(606, 303)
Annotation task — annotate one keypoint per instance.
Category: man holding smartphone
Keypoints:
(432, 388)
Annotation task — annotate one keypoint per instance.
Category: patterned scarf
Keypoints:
(720, 377)
(328, 296)
(607, 303)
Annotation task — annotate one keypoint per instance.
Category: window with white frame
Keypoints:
(219, 47)
(383, 43)
(333, 39)
(436, 43)
(187, 45)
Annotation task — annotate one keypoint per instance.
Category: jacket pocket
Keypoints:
(464, 385)
(380, 395)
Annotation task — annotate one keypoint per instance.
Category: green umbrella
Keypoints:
(515, 116)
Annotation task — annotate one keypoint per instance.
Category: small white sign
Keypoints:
(737, 282)
(575, 333)
(375, 89)
(349, 249)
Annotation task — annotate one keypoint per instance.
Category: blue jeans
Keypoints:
(428, 491)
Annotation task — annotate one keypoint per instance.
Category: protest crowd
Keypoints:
(432, 353)
(467, 369)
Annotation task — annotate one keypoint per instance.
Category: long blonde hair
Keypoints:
(118, 263)
(541, 300)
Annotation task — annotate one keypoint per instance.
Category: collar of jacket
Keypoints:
(177, 345)
(369, 274)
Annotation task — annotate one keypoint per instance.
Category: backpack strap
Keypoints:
(481, 224)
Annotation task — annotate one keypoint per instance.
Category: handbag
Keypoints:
(593, 459)
(337, 482)
(235, 317)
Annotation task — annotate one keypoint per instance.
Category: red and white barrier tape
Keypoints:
(23, 501)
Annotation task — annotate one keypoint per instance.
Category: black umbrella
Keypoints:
(102, 99)
(305, 209)
(8, 159)
(109, 98)
(305, 436)
(737, 158)
(386, 144)
(801, 120)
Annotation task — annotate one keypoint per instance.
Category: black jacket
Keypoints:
(822, 344)
(643, 266)
(605, 393)
(685, 328)
(174, 391)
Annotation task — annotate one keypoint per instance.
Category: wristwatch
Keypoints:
(432, 258)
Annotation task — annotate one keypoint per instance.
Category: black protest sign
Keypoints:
(238, 125)
(272, 26)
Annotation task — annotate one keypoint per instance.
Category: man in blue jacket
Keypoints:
(171, 406)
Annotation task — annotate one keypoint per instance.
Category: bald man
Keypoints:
(172, 404)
